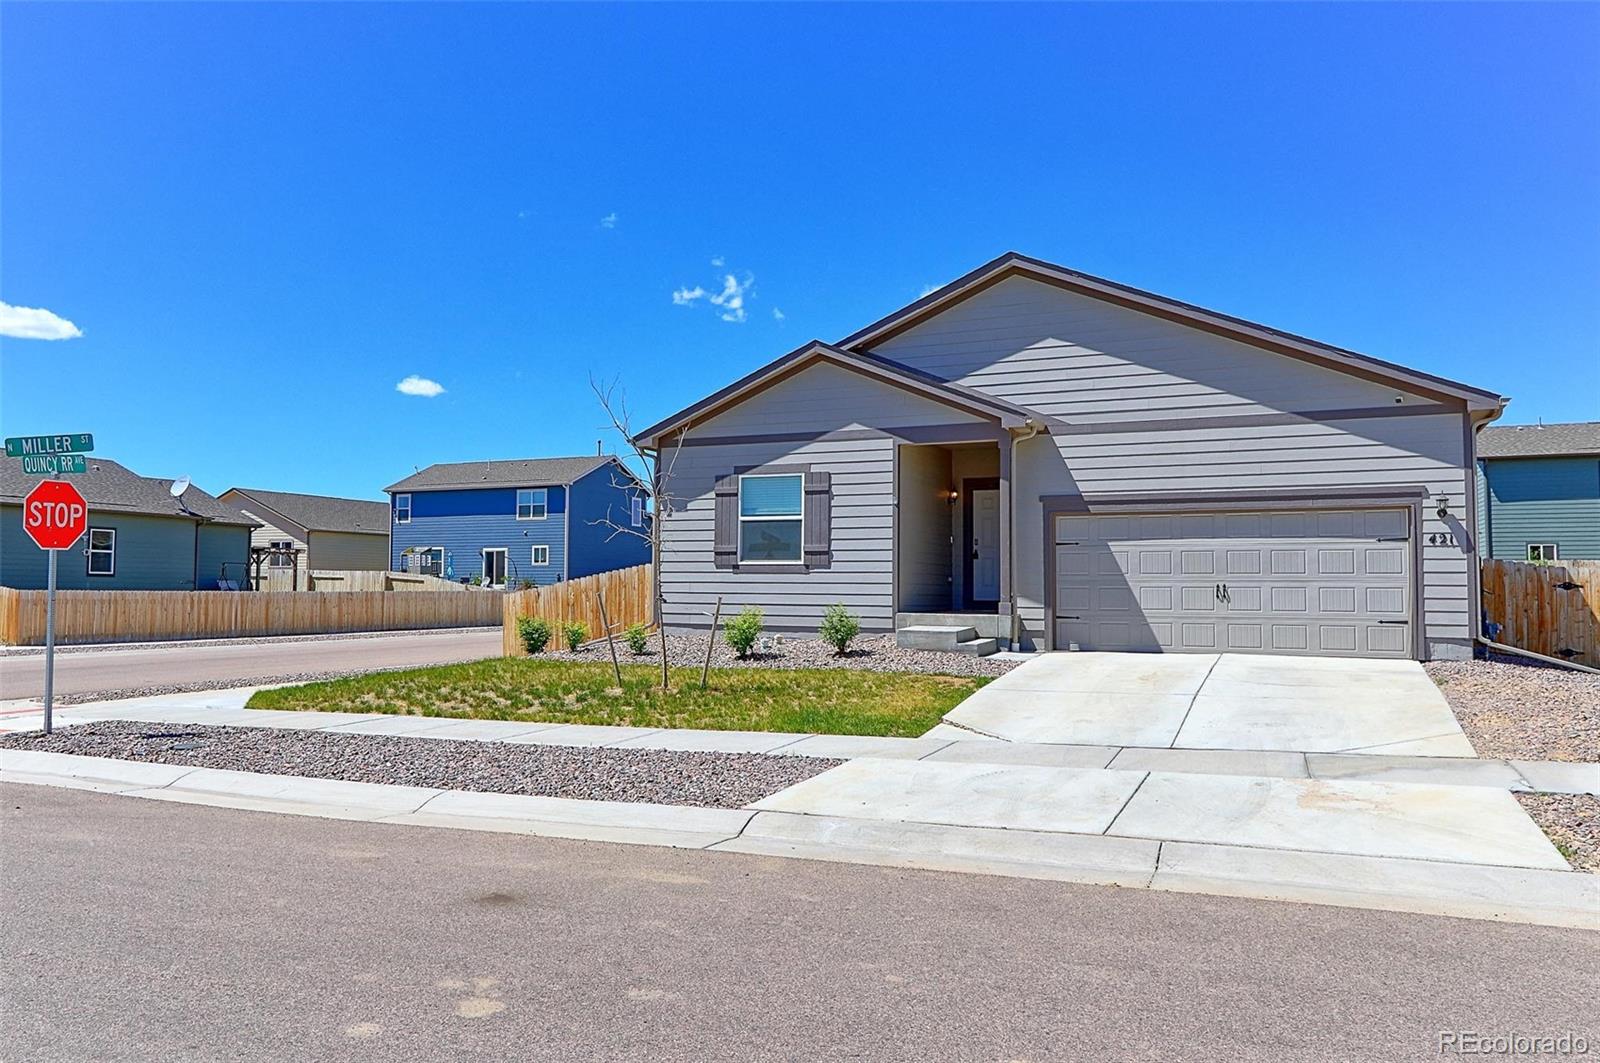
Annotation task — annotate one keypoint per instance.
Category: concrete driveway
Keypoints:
(1218, 701)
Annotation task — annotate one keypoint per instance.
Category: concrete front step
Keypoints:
(987, 625)
(945, 638)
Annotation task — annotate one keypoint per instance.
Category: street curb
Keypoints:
(1552, 898)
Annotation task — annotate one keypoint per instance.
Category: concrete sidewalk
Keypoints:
(942, 744)
(1073, 838)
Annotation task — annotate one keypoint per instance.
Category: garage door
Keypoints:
(1329, 582)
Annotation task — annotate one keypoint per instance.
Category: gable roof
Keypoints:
(519, 472)
(1575, 439)
(1013, 264)
(1007, 413)
(317, 512)
(108, 486)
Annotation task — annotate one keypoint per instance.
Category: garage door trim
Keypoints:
(1217, 502)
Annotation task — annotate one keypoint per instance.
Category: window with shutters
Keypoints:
(771, 518)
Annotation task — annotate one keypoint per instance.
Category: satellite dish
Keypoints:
(179, 486)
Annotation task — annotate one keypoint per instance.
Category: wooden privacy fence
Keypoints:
(627, 594)
(283, 579)
(1550, 609)
(146, 616)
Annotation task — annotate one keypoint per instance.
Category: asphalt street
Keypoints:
(143, 930)
(121, 668)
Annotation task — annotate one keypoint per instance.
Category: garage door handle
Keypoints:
(1400, 622)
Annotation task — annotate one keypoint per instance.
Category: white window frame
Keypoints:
(483, 568)
(1547, 552)
(280, 558)
(542, 505)
(90, 551)
(798, 562)
(533, 555)
(404, 505)
(423, 552)
(636, 509)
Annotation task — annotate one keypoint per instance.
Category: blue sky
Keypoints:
(263, 217)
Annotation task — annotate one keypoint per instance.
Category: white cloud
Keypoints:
(420, 385)
(731, 298)
(35, 323)
(609, 221)
(929, 289)
(729, 301)
(717, 263)
(777, 315)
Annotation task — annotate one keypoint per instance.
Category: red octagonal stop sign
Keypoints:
(54, 515)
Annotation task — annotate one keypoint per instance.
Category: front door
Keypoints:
(984, 547)
(494, 567)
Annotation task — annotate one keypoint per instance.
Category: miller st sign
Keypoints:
(49, 446)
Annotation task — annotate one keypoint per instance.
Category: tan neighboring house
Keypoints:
(315, 532)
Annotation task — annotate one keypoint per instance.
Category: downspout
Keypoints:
(1029, 429)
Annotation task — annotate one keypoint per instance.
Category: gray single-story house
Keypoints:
(319, 531)
(141, 537)
(1060, 462)
(1540, 485)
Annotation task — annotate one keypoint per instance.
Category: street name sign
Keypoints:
(53, 464)
(66, 443)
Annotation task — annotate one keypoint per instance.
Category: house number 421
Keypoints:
(1442, 539)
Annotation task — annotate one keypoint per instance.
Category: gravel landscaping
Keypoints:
(1517, 708)
(1572, 822)
(869, 653)
(711, 780)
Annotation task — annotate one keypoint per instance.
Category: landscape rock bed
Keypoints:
(669, 777)
(1572, 823)
(1517, 708)
(871, 653)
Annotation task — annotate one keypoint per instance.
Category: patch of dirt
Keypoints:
(1516, 708)
(1572, 822)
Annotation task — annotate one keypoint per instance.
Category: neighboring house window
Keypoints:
(402, 509)
(102, 551)
(1542, 552)
(282, 555)
(430, 561)
(541, 555)
(770, 517)
(636, 512)
(532, 503)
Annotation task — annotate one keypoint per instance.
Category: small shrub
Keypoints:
(535, 633)
(575, 634)
(743, 630)
(638, 637)
(839, 628)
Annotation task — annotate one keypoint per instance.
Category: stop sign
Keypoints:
(54, 515)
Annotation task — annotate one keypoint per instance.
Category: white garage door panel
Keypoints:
(1332, 582)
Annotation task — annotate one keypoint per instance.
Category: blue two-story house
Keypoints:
(1540, 485)
(514, 523)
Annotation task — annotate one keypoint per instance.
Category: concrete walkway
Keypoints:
(1225, 701)
(942, 744)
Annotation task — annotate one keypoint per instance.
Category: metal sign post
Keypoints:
(50, 643)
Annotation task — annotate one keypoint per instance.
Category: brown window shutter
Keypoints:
(818, 531)
(725, 534)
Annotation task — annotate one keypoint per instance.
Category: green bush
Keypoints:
(534, 632)
(638, 637)
(743, 630)
(575, 633)
(839, 628)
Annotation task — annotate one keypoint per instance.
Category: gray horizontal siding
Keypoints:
(825, 397)
(861, 576)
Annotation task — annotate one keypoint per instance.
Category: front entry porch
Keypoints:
(951, 548)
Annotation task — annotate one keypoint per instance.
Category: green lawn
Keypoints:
(818, 701)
